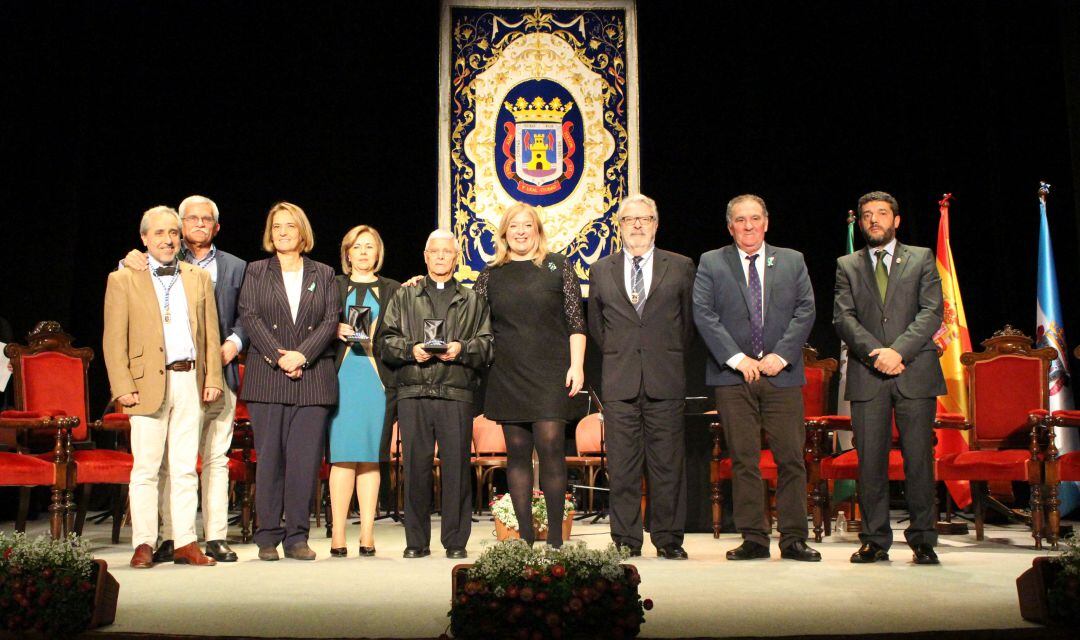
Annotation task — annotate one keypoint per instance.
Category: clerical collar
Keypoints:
(437, 285)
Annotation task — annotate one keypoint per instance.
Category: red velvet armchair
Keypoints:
(20, 469)
(50, 377)
(1059, 468)
(1007, 400)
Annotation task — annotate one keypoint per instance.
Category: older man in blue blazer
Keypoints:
(200, 218)
(754, 307)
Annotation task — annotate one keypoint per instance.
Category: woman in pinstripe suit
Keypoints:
(289, 307)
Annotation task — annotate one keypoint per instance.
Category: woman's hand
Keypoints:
(575, 380)
(344, 331)
(290, 360)
(413, 281)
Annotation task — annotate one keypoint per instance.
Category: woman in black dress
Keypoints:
(539, 329)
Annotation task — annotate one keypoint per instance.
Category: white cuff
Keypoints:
(235, 339)
(734, 360)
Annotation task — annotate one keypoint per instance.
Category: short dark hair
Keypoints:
(883, 197)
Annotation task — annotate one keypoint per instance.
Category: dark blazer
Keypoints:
(230, 277)
(265, 315)
(649, 348)
(722, 312)
(906, 321)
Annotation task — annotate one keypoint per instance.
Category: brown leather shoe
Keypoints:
(143, 558)
(191, 554)
(300, 551)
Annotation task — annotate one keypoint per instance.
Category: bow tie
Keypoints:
(166, 270)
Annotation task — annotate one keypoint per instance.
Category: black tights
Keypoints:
(549, 438)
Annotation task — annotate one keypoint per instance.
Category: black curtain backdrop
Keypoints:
(110, 108)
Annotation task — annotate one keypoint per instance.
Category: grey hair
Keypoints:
(144, 225)
(881, 196)
(190, 200)
(743, 198)
(440, 234)
(638, 198)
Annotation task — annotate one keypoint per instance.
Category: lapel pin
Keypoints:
(312, 287)
(770, 261)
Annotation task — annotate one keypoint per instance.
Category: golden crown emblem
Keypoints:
(538, 110)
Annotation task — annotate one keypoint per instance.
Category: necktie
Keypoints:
(881, 274)
(757, 325)
(637, 287)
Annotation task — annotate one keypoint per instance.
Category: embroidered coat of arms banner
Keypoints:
(538, 104)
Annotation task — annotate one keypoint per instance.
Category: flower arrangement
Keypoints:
(515, 590)
(46, 585)
(1063, 592)
(502, 508)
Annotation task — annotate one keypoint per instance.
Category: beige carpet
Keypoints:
(390, 597)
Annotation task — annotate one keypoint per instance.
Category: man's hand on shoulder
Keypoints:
(136, 260)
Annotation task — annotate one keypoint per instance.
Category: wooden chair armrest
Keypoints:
(951, 421)
(113, 422)
(37, 420)
(829, 423)
(1066, 418)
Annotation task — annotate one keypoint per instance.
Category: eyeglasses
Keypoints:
(441, 252)
(631, 221)
(206, 220)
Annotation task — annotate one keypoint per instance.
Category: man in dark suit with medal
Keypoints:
(888, 305)
(754, 307)
(641, 318)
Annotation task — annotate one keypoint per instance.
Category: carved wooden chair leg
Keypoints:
(979, 491)
(24, 509)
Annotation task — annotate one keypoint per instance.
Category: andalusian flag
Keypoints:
(844, 489)
(1050, 333)
(952, 339)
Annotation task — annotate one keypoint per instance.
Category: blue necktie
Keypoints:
(637, 287)
(757, 328)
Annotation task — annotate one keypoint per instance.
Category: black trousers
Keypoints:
(646, 434)
(289, 448)
(871, 422)
(423, 422)
(745, 409)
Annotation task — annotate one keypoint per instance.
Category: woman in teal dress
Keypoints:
(365, 408)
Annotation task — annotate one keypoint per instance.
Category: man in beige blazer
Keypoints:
(160, 326)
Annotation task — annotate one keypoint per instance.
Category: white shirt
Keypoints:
(759, 266)
(646, 270)
(179, 344)
(890, 250)
(294, 287)
(211, 268)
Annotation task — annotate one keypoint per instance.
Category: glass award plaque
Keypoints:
(360, 320)
(434, 336)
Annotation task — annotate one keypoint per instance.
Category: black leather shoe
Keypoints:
(924, 554)
(672, 552)
(870, 552)
(799, 551)
(748, 550)
(366, 552)
(339, 552)
(456, 553)
(219, 550)
(416, 552)
(164, 553)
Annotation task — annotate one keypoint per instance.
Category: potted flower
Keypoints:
(1049, 591)
(572, 592)
(54, 588)
(506, 522)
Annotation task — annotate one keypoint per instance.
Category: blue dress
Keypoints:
(356, 427)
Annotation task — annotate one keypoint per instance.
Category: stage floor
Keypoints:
(391, 597)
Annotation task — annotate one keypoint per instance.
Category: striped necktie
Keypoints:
(637, 287)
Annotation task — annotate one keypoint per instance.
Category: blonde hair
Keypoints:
(502, 249)
(307, 236)
(350, 239)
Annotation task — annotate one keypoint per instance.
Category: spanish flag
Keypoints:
(952, 339)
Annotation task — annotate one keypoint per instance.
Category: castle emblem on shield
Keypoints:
(539, 146)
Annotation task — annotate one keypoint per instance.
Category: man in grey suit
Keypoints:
(199, 216)
(754, 307)
(641, 318)
(888, 306)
